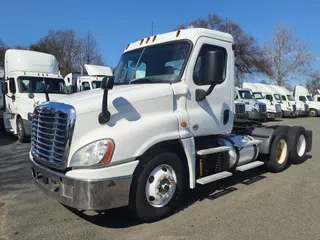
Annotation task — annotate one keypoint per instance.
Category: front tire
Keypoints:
(279, 153)
(158, 188)
(313, 113)
(21, 134)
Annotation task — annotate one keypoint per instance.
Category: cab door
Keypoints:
(214, 114)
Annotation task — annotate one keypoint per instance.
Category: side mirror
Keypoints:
(214, 71)
(215, 66)
(46, 88)
(4, 88)
(12, 85)
(107, 83)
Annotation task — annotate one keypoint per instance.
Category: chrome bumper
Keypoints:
(257, 116)
(274, 115)
(82, 194)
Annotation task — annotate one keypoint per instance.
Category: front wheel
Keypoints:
(313, 113)
(158, 188)
(21, 134)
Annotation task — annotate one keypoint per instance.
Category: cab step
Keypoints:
(249, 166)
(213, 150)
(214, 177)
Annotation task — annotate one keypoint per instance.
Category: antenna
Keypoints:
(152, 29)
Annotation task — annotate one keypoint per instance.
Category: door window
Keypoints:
(200, 66)
(269, 97)
(85, 86)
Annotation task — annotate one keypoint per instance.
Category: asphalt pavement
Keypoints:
(253, 205)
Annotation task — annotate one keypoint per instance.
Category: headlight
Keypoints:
(95, 153)
(254, 110)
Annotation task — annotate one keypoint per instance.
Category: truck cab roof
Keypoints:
(191, 34)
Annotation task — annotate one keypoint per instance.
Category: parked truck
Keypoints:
(240, 111)
(294, 108)
(256, 110)
(302, 94)
(91, 80)
(26, 73)
(273, 108)
(158, 135)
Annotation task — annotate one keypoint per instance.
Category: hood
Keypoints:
(89, 101)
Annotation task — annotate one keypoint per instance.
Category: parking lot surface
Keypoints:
(253, 205)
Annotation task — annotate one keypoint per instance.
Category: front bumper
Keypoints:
(289, 113)
(27, 127)
(257, 115)
(240, 116)
(302, 113)
(272, 115)
(84, 194)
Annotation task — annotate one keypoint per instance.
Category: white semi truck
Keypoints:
(156, 136)
(95, 74)
(26, 73)
(256, 110)
(273, 108)
(240, 112)
(294, 108)
(302, 94)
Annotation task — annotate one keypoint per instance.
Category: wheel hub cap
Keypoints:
(161, 185)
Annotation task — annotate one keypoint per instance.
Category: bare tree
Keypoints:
(90, 50)
(65, 46)
(313, 82)
(290, 58)
(249, 58)
(3, 48)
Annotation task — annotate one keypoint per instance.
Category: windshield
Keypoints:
(155, 64)
(96, 84)
(245, 95)
(257, 95)
(309, 98)
(36, 84)
(277, 97)
(290, 97)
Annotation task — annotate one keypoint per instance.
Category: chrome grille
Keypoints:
(278, 108)
(240, 108)
(262, 108)
(51, 133)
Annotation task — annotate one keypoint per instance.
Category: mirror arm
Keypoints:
(105, 115)
(201, 94)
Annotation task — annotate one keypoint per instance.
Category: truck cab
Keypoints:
(263, 93)
(26, 75)
(142, 140)
(89, 81)
(256, 110)
(302, 94)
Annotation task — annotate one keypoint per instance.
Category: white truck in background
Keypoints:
(273, 108)
(298, 108)
(95, 74)
(316, 97)
(1, 99)
(26, 73)
(256, 110)
(302, 94)
(157, 136)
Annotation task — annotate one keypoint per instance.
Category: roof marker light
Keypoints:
(148, 39)
(154, 38)
(141, 41)
(127, 46)
(178, 33)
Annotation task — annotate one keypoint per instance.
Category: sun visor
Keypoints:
(96, 70)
